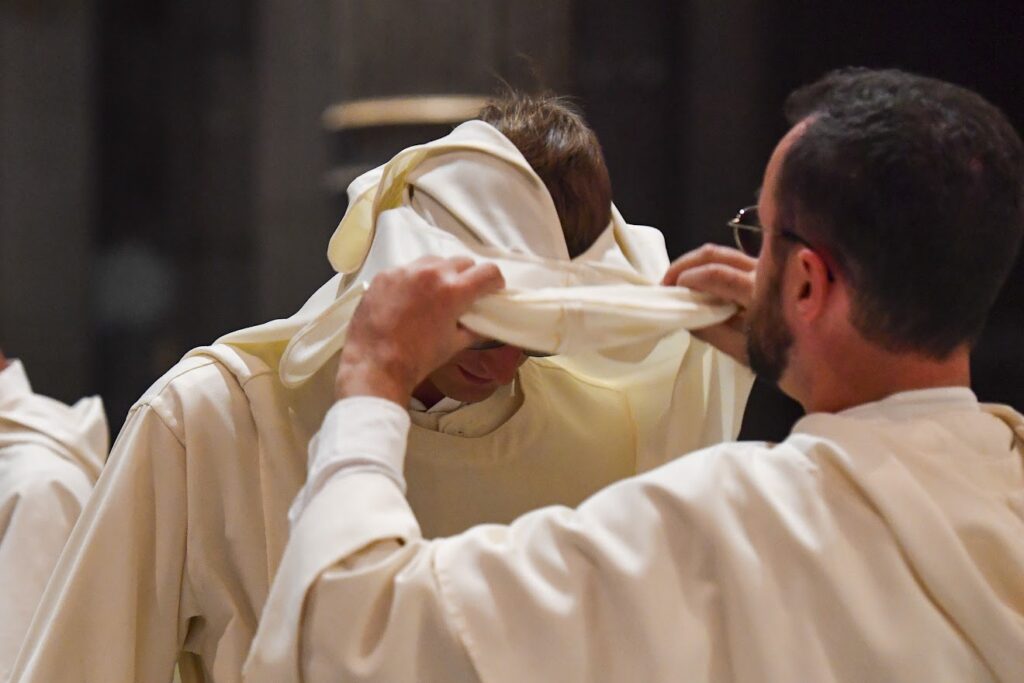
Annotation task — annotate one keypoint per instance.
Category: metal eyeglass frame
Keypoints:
(737, 224)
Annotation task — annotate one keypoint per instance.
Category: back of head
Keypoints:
(915, 187)
(564, 152)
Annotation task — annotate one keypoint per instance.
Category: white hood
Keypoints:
(472, 193)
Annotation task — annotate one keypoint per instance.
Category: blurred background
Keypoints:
(172, 170)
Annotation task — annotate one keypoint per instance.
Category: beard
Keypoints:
(768, 336)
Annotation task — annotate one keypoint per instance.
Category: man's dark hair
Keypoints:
(562, 149)
(915, 187)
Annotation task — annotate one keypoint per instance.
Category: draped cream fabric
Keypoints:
(50, 456)
(473, 194)
(177, 548)
(884, 543)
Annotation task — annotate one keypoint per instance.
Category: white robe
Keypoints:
(883, 543)
(177, 549)
(50, 456)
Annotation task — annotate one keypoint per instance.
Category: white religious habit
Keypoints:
(174, 557)
(50, 457)
(882, 543)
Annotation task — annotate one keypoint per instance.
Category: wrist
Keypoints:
(362, 375)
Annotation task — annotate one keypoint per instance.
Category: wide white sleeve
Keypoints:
(41, 496)
(110, 611)
(352, 520)
(599, 593)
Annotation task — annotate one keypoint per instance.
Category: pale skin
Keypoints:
(407, 324)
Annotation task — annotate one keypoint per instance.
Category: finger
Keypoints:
(476, 281)
(460, 263)
(428, 261)
(724, 282)
(709, 253)
(725, 338)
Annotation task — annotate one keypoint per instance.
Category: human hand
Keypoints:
(407, 325)
(727, 274)
(3, 360)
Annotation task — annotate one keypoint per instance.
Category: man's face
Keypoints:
(472, 376)
(769, 337)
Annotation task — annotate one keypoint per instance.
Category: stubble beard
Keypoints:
(768, 336)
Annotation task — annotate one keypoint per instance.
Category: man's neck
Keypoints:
(876, 374)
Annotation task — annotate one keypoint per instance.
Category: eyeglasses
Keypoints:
(491, 344)
(749, 235)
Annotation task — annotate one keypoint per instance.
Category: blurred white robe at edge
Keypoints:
(50, 457)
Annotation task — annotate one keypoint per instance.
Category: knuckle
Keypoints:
(709, 251)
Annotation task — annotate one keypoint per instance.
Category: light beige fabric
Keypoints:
(189, 521)
(473, 194)
(50, 456)
(885, 543)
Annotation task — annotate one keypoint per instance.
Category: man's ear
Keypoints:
(812, 285)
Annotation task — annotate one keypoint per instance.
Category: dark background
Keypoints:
(165, 177)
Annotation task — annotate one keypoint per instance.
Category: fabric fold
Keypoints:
(456, 196)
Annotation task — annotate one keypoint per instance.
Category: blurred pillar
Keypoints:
(727, 125)
(293, 213)
(47, 175)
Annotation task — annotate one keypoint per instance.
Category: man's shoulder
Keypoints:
(205, 372)
(209, 385)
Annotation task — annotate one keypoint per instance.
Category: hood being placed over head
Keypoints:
(77, 433)
(472, 193)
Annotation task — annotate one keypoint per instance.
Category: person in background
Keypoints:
(50, 456)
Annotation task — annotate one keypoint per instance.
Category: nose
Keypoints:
(501, 363)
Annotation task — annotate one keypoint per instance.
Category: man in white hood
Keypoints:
(50, 457)
(883, 540)
(174, 556)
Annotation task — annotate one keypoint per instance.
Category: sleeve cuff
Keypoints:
(359, 434)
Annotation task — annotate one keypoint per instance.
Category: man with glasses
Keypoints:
(883, 540)
(174, 557)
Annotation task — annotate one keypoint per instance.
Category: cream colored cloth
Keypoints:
(50, 456)
(884, 543)
(177, 549)
(471, 193)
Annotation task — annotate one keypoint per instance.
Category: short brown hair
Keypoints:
(562, 149)
(916, 187)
